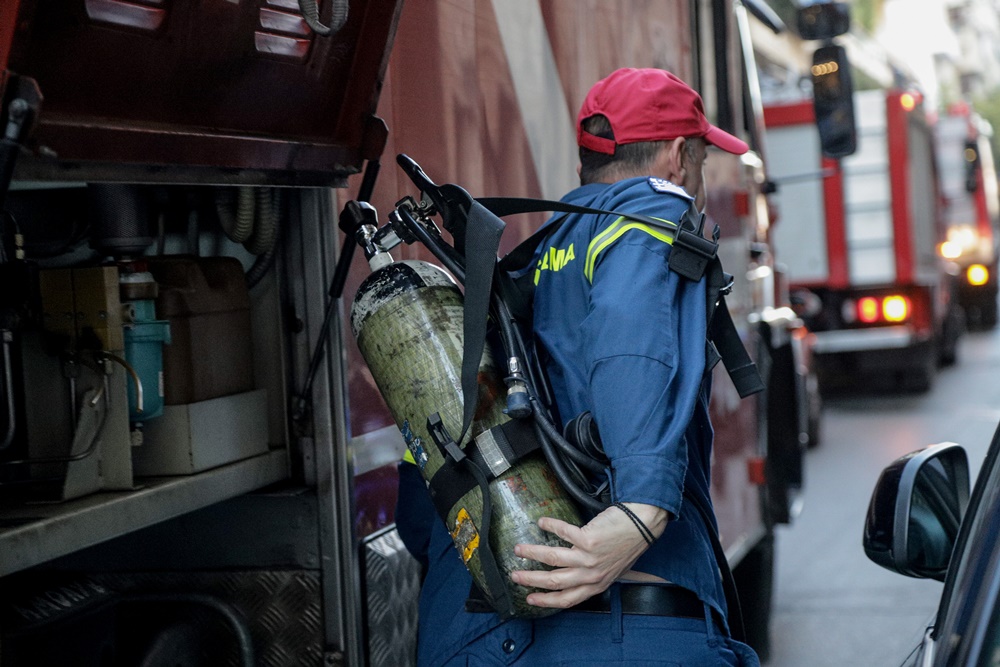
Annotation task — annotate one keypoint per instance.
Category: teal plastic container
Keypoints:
(145, 337)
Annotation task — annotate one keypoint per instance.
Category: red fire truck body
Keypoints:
(859, 238)
(972, 210)
(266, 529)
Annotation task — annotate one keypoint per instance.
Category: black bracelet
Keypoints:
(646, 533)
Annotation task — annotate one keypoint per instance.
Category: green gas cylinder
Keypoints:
(407, 317)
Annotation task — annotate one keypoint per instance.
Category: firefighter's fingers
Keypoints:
(566, 578)
(553, 556)
(567, 531)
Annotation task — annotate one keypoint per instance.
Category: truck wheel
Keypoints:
(815, 410)
(918, 380)
(755, 584)
(949, 346)
(988, 313)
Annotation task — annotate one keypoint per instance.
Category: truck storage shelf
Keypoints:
(36, 533)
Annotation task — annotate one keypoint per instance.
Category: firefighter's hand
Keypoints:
(603, 550)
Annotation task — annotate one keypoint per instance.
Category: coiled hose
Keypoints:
(254, 223)
(338, 16)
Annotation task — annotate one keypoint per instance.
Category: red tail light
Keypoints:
(868, 309)
(893, 308)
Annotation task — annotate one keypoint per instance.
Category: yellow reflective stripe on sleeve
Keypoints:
(612, 234)
(408, 457)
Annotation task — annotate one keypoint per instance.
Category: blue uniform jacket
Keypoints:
(623, 336)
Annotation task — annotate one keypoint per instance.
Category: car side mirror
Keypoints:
(916, 510)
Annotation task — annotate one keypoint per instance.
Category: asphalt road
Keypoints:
(832, 606)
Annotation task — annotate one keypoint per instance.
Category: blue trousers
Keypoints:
(586, 639)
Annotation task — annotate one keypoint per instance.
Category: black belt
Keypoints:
(648, 600)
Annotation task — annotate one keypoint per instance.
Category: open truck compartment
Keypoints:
(172, 225)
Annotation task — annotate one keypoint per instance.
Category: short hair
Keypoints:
(629, 160)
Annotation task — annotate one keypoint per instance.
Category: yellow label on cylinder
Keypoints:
(465, 535)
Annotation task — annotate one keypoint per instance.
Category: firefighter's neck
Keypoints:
(669, 164)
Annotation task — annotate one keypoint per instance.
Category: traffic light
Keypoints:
(833, 101)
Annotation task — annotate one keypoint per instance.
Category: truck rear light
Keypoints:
(896, 308)
(868, 309)
(950, 250)
(977, 275)
(877, 309)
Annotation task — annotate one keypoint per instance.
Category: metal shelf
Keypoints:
(33, 534)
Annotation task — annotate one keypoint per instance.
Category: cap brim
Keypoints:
(725, 141)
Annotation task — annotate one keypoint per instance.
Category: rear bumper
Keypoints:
(864, 340)
(879, 351)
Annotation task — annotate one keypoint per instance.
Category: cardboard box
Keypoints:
(194, 437)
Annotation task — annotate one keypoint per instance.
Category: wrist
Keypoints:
(653, 517)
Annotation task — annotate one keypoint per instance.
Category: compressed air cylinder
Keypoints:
(408, 318)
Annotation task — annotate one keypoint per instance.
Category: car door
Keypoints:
(967, 628)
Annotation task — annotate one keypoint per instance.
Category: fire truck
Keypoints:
(860, 241)
(972, 210)
(196, 465)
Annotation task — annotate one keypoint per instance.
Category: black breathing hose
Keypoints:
(514, 342)
(562, 474)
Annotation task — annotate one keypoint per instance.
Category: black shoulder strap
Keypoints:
(501, 206)
(482, 242)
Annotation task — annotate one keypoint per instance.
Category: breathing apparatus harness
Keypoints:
(501, 291)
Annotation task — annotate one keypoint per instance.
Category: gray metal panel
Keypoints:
(326, 455)
(268, 530)
(281, 608)
(923, 200)
(868, 196)
(38, 533)
(800, 234)
(392, 578)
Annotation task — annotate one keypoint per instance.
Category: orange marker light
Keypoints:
(908, 101)
(895, 308)
(822, 69)
(868, 309)
(977, 275)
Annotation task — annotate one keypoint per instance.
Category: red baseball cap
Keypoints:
(649, 105)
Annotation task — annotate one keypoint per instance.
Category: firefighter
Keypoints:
(622, 336)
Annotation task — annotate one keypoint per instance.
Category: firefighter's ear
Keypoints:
(669, 163)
